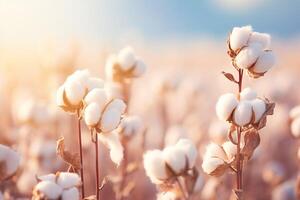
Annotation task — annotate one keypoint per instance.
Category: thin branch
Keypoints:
(81, 155)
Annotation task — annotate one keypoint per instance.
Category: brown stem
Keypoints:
(96, 166)
(80, 151)
(185, 197)
(123, 170)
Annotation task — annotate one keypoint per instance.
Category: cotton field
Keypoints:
(134, 117)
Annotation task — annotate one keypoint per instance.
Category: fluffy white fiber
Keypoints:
(265, 61)
(295, 112)
(175, 158)
(131, 125)
(189, 149)
(259, 108)
(211, 164)
(243, 113)
(295, 127)
(71, 193)
(239, 37)
(225, 106)
(230, 149)
(155, 167)
(126, 58)
(262, 38)
(10, 159)
(67, 180)
(74, 91)
(248, 55)
(92, 114)
(140, 68)
(248, 94)
(49, 189)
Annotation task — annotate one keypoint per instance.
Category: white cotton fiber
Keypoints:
(189, 149)
(139, 68)
(264, 62)
(93, 83)
(175, 158)
(248, 55)
(74, 91)
(97, 95)
(239, 37)
(295, 127)
(230, 149)
(262, 38)
(126, 58)
(92, 114)
(110, 120)
(243, 113)
(67, 180)
(210, 164)
(49, 189)
(248, 94)
(259, 108)
(225, 106)
(112, 140)
(154, 165)
(71, 194)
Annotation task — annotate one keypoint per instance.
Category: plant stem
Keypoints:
(97, 166)
(80, 150)
(123, 169)
(181, 189)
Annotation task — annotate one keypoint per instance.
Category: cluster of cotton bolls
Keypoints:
(173, 161)
(243, 110)
(74, 89)
(251, 50)
(9, 162)
(62, 185)
(124, 65)
(295, 121)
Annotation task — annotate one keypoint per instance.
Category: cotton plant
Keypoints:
(59, 186)
(171, 167)
(245, 111)
(70, 97)
(9, 162)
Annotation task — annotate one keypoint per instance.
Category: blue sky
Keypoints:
(151, 19)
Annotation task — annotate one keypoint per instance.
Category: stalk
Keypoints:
(96, 165)
(80, 150)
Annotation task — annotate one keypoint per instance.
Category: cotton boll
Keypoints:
(225, 106)
(117, 104)
(71, 193)
(264, 62)
(67, 180)
(243, 113)
(74, 92)
(262, 38)
(126, 58)
(259, 108)
(175, 158)
(248, 94)
(110, 120)
(48, 177)
(214, 150)
(211, 164)
(230, 149)
(93, 83)
(81, 76)
(92, 114)
(248, 56)
(49, 189)
(295, 112)
(239, 37)
(60, 96)
(3, 152)
(189, 149)
(295, 127)
(154, 165)
(97, 95)
(140, 68)
(12, 162)
(112, 140)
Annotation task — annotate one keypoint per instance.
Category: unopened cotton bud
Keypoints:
(71, 193)
(126, 58)
(93, 83)
(259, 108)
(189, 149)
(175, 158)
(140, 68)
(67, 180)
(110, 120)
(295, 127)
(155, 166)
(97, 95)
(92, 114)
(74, 92)
(49, 189)
(248, 94)
(230, 149)
(211, 164)
(225, 106)
(264, 62)
(243, 113)
(295, 112)
(239, 37)
(262, 38)
(248, 56)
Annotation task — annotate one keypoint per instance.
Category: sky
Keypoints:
(32, 20)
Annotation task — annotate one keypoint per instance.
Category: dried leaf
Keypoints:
(220, 170)
(230, 77)
(72, 159)
(132, 167)
(252, 140)
(269, 111)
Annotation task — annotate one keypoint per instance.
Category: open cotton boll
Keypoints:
(93, 83)
(112, 141)
(49, 189)
(262, 38)
(126, 58)
(60, 96)
(230, 149)
(71, 193)
(92, 114)
(248, 94)
(117, 104)
(139, 68)
(259, 108)
(239, 37)
(243, 113)
(214, 150)
(248, 55)
(97, 95)
(166, 196)
(211, 164)
(225, 106)
(295, 127)
(175, 158)
(48, 177)
(155, 166)
(67, 180)
(189, 149)
(295, 112)
(131, 125)
(264, 62)
(110, 120)
(81, 76)
(74, 91)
